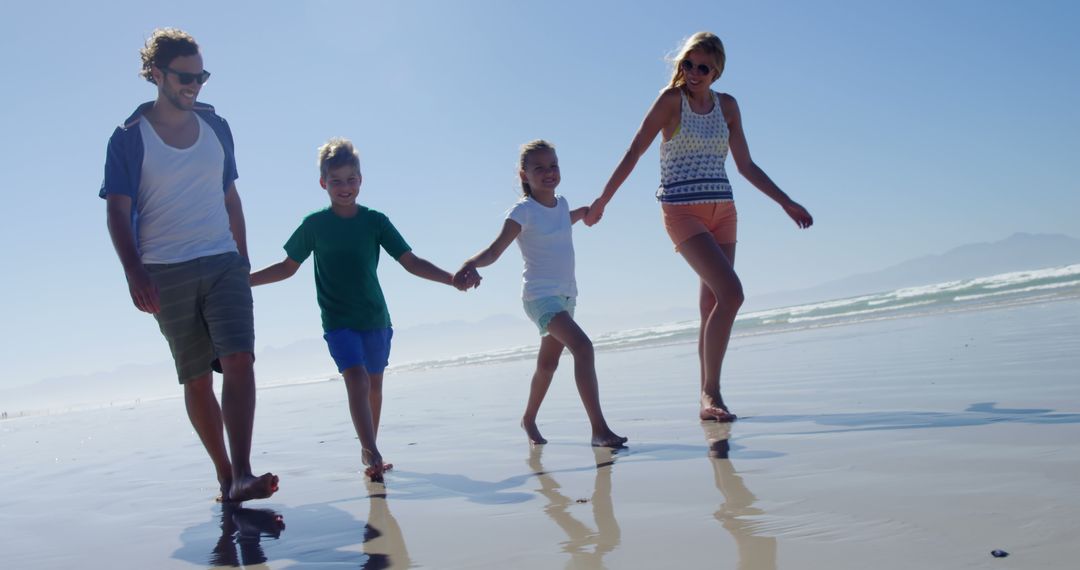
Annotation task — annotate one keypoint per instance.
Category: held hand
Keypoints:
(461, 277)
(144, 293)
(802, 217)
(473, 280)
(596, 211)
(466, 278)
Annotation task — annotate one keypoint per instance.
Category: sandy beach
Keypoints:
(914, 442)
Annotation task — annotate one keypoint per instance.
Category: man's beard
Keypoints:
(178, 102)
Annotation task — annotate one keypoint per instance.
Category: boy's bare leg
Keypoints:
(358, 387)
(238, 413)
(567, 332)
(713, 264)
(205, 415)
(375, 398)
(547, 360)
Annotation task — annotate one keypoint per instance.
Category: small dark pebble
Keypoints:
(583, 500)
(999, 553)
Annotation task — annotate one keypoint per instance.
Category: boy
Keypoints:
(346, 238)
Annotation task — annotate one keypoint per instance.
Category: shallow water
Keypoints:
(926, 441)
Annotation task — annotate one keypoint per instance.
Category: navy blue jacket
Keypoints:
(123, 161)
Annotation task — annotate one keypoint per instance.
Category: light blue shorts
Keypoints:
(542, 310)
(370, 349)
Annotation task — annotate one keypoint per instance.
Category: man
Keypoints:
(177, 224)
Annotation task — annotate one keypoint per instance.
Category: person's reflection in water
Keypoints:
(245, 528)
(755, 552)
(607, 535)
(383, 542)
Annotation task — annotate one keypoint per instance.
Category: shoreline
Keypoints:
(602, 343)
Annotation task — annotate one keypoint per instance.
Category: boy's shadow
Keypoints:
(607, 535)
(755, 551)
(321, 535)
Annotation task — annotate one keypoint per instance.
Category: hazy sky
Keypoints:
(905, 128)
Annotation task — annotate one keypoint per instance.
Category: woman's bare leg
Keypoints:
(713, 263)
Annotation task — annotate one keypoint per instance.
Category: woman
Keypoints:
(699, 127)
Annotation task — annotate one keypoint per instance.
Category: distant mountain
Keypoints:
(1018, 252)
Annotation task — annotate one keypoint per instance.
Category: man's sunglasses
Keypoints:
(687, 66)
(187, 78)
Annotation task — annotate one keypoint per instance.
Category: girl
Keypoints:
(699, 126)
(540, 222)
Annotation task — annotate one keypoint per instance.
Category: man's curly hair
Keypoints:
(163, 46)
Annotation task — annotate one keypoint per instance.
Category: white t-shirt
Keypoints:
(547, 248)
(181, 206)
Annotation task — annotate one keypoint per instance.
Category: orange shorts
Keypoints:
(684, 221)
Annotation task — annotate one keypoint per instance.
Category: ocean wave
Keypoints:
(1045, 287)
(1001, 290)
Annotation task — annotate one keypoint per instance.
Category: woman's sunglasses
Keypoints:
(188, 78)
(688, 66)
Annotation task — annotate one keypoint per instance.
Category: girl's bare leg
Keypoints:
(713, 264)
(546, 363)
(567, 332)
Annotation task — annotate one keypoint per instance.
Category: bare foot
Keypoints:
(608, 439)
(252, 487)
(225, 485)
(716, 414)
(375, 466)
(714, 410)
(375, 474)
(533, 432)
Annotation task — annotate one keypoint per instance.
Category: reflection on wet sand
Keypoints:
(755, 552)
(585, 546)
(245, 528)
(383, 542)
(328, 537)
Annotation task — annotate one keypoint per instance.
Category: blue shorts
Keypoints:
(542, 310)
(370, 349)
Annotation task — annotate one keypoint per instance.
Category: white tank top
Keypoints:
(692, 162)
(181, 207)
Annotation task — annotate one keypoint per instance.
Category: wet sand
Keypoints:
(920, 442)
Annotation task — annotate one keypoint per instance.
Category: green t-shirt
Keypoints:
(346, 256)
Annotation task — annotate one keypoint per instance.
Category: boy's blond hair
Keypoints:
(337, 152)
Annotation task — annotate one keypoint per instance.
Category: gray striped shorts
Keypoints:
(206, 310)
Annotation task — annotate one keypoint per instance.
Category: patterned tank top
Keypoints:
(692, 161)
